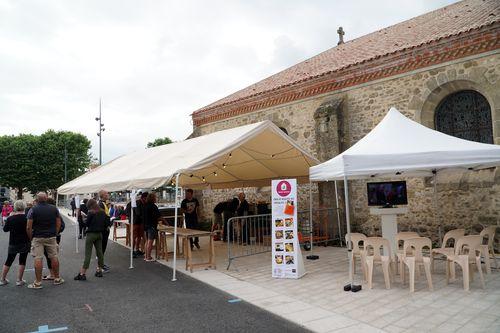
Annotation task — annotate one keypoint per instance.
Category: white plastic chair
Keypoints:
(454, 235)
(467, 253)
(488, 249)
(400, 238)
(413, 257)
(372, 254)
(357, 248)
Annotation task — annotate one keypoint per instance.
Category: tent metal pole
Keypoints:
(76, 226)
(338, 212)
(348, 222)
(132, 204)
(311, 225)
(436, 207)
(174, 266)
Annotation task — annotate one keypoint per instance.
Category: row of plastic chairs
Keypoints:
(466, 252)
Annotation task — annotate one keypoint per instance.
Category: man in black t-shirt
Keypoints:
(44, 223)
(189, 207)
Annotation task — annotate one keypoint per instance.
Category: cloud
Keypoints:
(155, 62)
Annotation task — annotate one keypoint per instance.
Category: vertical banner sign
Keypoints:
(286, 254)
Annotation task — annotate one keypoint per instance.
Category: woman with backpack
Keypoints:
(97, 222)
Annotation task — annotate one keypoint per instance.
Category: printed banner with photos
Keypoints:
(286, 254)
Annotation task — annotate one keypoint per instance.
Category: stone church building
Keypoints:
(441, 69)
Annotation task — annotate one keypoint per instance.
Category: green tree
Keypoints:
(18, 166)
(36, 163)
(159, 142)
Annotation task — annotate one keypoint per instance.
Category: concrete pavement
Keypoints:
(138, 300)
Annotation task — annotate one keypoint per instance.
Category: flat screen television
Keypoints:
(387, 194)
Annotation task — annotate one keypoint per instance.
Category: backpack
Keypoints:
(63, 225)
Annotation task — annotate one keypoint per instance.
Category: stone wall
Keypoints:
(328, 124)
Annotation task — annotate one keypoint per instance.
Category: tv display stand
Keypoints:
(389, 217)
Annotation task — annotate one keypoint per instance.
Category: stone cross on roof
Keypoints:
(341, 33)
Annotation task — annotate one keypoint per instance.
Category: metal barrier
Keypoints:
(250, 235)
(247, 235)
(326, 227)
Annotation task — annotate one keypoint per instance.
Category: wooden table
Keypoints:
(185, 234)
(127, 234)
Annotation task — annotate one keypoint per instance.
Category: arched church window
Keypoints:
(465, 114)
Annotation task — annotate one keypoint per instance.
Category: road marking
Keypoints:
(45, 329)
(89, 308)
(236, 300)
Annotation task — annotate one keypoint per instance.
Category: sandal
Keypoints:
(47, 277)
(35, 285)
(4, 282)
(20, 283)
(58, 281)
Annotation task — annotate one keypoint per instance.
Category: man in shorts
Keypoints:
(44, 223)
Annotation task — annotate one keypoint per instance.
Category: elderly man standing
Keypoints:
(44, 223)
(104, 205)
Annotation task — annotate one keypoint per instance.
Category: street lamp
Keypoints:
(101, 129)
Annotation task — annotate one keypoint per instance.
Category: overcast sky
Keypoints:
(155, 62)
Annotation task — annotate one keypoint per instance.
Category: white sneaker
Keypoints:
(4, 282)
(20, 283)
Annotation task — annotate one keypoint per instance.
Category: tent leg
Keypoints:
(436, 208)
(348, 222)
(174, 266)
(132, 199)
(76, 227)
(338, 213)
(311, 225)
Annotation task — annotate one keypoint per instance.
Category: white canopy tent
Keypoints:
(245, 156)
(399, 146)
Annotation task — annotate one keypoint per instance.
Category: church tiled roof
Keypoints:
(442, 23)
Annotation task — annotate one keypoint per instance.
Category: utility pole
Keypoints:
(101, 129)
(65, 164)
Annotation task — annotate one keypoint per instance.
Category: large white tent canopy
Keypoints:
(400, 145)
(249, 155)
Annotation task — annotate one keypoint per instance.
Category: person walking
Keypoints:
(242, 210)
(19, 243)
(29, 205)
(151, 217)
(6, 210)
(81, 214)
(44, 223)
(97, 222)
(138, 223)
(73, 206)
(104, 205)
(189, 207)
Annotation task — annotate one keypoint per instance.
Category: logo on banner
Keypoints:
(284, 188)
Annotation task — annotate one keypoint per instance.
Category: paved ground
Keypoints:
(139, 300)
(317, 301)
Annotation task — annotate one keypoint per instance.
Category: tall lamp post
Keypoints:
(101, 129)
